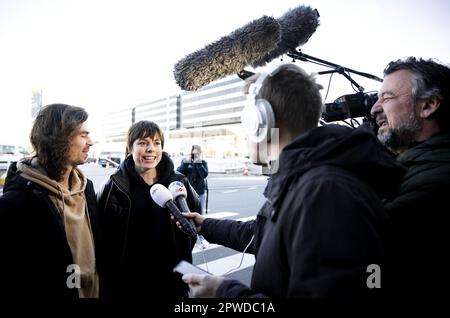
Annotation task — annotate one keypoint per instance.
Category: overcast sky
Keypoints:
(106, 55)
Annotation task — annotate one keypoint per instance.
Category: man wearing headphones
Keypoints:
(320, 231)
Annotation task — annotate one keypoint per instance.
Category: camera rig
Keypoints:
(347, 106)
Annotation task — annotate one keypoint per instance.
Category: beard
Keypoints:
(402, 137)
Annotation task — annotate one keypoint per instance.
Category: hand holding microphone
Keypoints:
(179, 194)
(162, 196)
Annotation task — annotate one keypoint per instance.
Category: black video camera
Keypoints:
(349, 106)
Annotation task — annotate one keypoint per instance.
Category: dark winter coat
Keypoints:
(35, 252)
(196, 172)
(323, 221)
(141, 243)
(420, 221)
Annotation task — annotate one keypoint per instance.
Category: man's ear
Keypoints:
(429, 107)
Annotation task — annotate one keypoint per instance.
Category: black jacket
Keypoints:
(33, 243)
(141, 244)
(323, 221)
(196, 173)
(420, 221)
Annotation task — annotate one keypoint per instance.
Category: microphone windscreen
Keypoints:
(177, 188)
(160, 194)
(228, 55)
(297, 26)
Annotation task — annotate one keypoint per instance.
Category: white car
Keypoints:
(10, 153)
(113, 158)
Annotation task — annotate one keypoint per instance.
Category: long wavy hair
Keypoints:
(51, 136)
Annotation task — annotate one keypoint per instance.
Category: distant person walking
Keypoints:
(196, 170)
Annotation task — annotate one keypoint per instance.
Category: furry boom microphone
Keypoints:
(256, 44)
(297, 26)
(228, 55)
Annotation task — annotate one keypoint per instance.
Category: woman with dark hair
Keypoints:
(48, 213)
(141, 243)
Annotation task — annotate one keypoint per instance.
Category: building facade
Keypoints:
(209, 117)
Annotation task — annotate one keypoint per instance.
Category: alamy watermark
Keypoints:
(74, 278)
(374, 279)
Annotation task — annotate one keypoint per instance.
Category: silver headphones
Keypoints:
(257, 116)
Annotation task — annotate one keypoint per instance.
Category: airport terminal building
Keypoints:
(209, 117)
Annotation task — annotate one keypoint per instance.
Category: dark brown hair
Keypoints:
(51, 134)
(294, 96)
(143, 129)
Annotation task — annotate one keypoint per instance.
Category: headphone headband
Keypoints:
(257, 116)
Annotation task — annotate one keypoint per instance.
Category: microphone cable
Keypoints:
(201, 245)
(242, 258)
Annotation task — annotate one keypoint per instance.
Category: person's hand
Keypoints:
(197, 159)
(187, 158)
(197, 218)
(203, 286)
(194, 216)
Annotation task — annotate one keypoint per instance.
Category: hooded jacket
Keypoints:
(323, 221)
(141, 243)
(34, 237)
(420, 221)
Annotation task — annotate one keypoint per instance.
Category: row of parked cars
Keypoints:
(13, 153)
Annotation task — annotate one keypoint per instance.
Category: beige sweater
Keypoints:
(72, 206)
